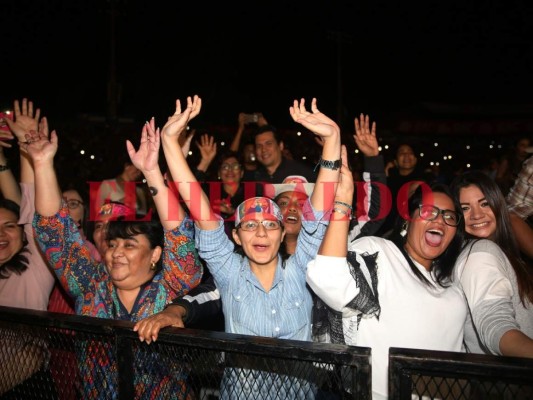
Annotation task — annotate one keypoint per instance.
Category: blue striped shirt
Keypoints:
(284, 312)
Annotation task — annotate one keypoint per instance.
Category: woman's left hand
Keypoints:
(177, 122)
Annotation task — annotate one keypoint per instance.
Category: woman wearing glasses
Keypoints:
(232, 191)
(255, 276)
(497, 283)
(395, 292)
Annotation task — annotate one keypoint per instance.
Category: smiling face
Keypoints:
(230, 171)
(405, 159)
(291, 204)
(268, 150)
(10, 235)
(260, 246)
(480, 220)
(129, 260)
(427, 240)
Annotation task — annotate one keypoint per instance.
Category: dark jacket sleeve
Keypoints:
(203, 305)
(368, 207)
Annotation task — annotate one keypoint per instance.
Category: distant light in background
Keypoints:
(499, 146)
(468, 147)
(435, 144)
(356, 151)
(304, 158)
(421, 154)
(190, 152)
(467, 165)
(82, 151)
(92, 157)
(449, 156)
(445, 158)
(222, 143)
(431, 163)
(144, 180)
(298, 133)
(380, 148)
(491, 146)
(386, 146)
(437, 163)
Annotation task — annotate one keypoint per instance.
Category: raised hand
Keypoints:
(365, 138)
(207, 147)
(39, 145)
(177, 122)
(25, 119)
(146, 159)
(185, 142)
(314, 120)
(345, 189)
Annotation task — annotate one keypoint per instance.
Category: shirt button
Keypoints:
(238, 297)
(277, 329)
(297, 304)
(273, 311)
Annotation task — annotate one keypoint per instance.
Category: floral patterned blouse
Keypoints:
(89, 284)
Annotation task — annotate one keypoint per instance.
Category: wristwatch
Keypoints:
(328, 164)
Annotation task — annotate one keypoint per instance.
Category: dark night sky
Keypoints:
(258, 57)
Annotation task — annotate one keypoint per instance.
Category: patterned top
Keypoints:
(520, 198)
(88, 282)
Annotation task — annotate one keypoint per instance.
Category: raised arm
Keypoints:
(42, 151)
(372, 196)
(328, 175)
(208, 151)
(9, 187)
(146, 159)
(26, 120)
(236, 143)
(188, 186)
(336, 238)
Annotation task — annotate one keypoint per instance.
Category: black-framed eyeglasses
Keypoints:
(253, 225)
(431, 213)
(227, 167)
(73, 204)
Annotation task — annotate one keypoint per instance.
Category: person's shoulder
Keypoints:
(368, 244)
(483, 246)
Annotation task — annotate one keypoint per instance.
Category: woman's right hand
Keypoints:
(177, 123)
(148, 329)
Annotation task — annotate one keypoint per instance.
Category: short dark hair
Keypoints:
(152, 229)
(268, 128)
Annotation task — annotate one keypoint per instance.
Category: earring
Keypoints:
(152, 266)
(403, 232)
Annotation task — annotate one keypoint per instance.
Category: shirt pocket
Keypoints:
(244, 313)
(295, 316)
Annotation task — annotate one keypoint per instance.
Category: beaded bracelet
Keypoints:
(346, 213)
(341, 203)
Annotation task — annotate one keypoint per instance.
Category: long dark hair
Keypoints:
(19, 262)
(124, 229)
(503, 235)
(442, 266)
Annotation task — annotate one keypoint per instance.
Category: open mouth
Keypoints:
(291, 219)
(434, 237)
